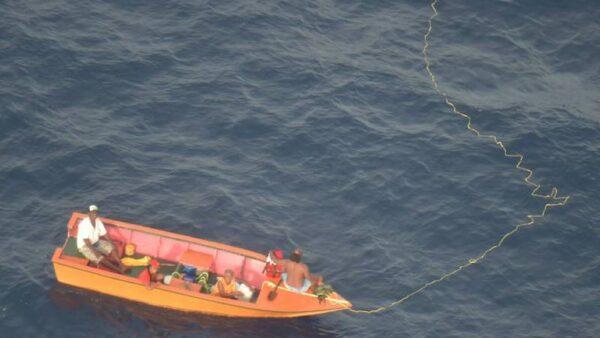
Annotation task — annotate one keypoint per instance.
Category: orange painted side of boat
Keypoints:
(286, 304)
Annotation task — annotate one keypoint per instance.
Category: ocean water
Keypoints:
(267, 124)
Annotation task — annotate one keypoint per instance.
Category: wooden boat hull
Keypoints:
(287, 303)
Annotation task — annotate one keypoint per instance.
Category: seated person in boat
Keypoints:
(93, 242)
(296, 276)
(226, 286)
(150, 275)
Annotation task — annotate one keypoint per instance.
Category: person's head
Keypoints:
(228, 275)
(129, 249)
(296, 256)
(153, 267)
(93, 211)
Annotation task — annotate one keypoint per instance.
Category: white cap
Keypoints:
(93, 208)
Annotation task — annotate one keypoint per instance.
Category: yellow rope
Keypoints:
(555, 200)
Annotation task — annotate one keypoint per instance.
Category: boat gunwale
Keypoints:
(172, 235)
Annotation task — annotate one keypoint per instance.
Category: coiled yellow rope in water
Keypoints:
(554, 199)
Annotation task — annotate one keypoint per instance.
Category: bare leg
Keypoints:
(115, 258)
(105, 262)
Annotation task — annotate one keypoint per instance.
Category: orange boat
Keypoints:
(172, 250)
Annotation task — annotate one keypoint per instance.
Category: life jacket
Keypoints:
(273, 269)
(144, 276)
(130, 261)
(228, 288)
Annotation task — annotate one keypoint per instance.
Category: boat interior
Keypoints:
(170, 252)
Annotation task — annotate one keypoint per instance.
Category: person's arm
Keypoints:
(222, 292)
(106, 238)
(104, 233)
(236, 293)
(221, 289)
(314, 279)
(305, 272)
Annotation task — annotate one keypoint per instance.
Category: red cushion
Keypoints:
(253, 272)
(145, 243)
(172, 249)
(118, 234)
(228, 260)
(206, 250)
(197, 259)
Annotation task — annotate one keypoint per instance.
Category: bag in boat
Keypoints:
(189, 273)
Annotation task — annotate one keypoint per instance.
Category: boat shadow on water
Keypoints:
(131, 318)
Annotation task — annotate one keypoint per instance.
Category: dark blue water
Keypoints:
(311, 123)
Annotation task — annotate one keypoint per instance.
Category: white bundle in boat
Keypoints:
(245, 290)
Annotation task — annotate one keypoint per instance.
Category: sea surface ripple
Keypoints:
(310, 123)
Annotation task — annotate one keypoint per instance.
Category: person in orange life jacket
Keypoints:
(150, 274)
(226, 286)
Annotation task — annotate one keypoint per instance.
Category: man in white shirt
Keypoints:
(93, 242)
